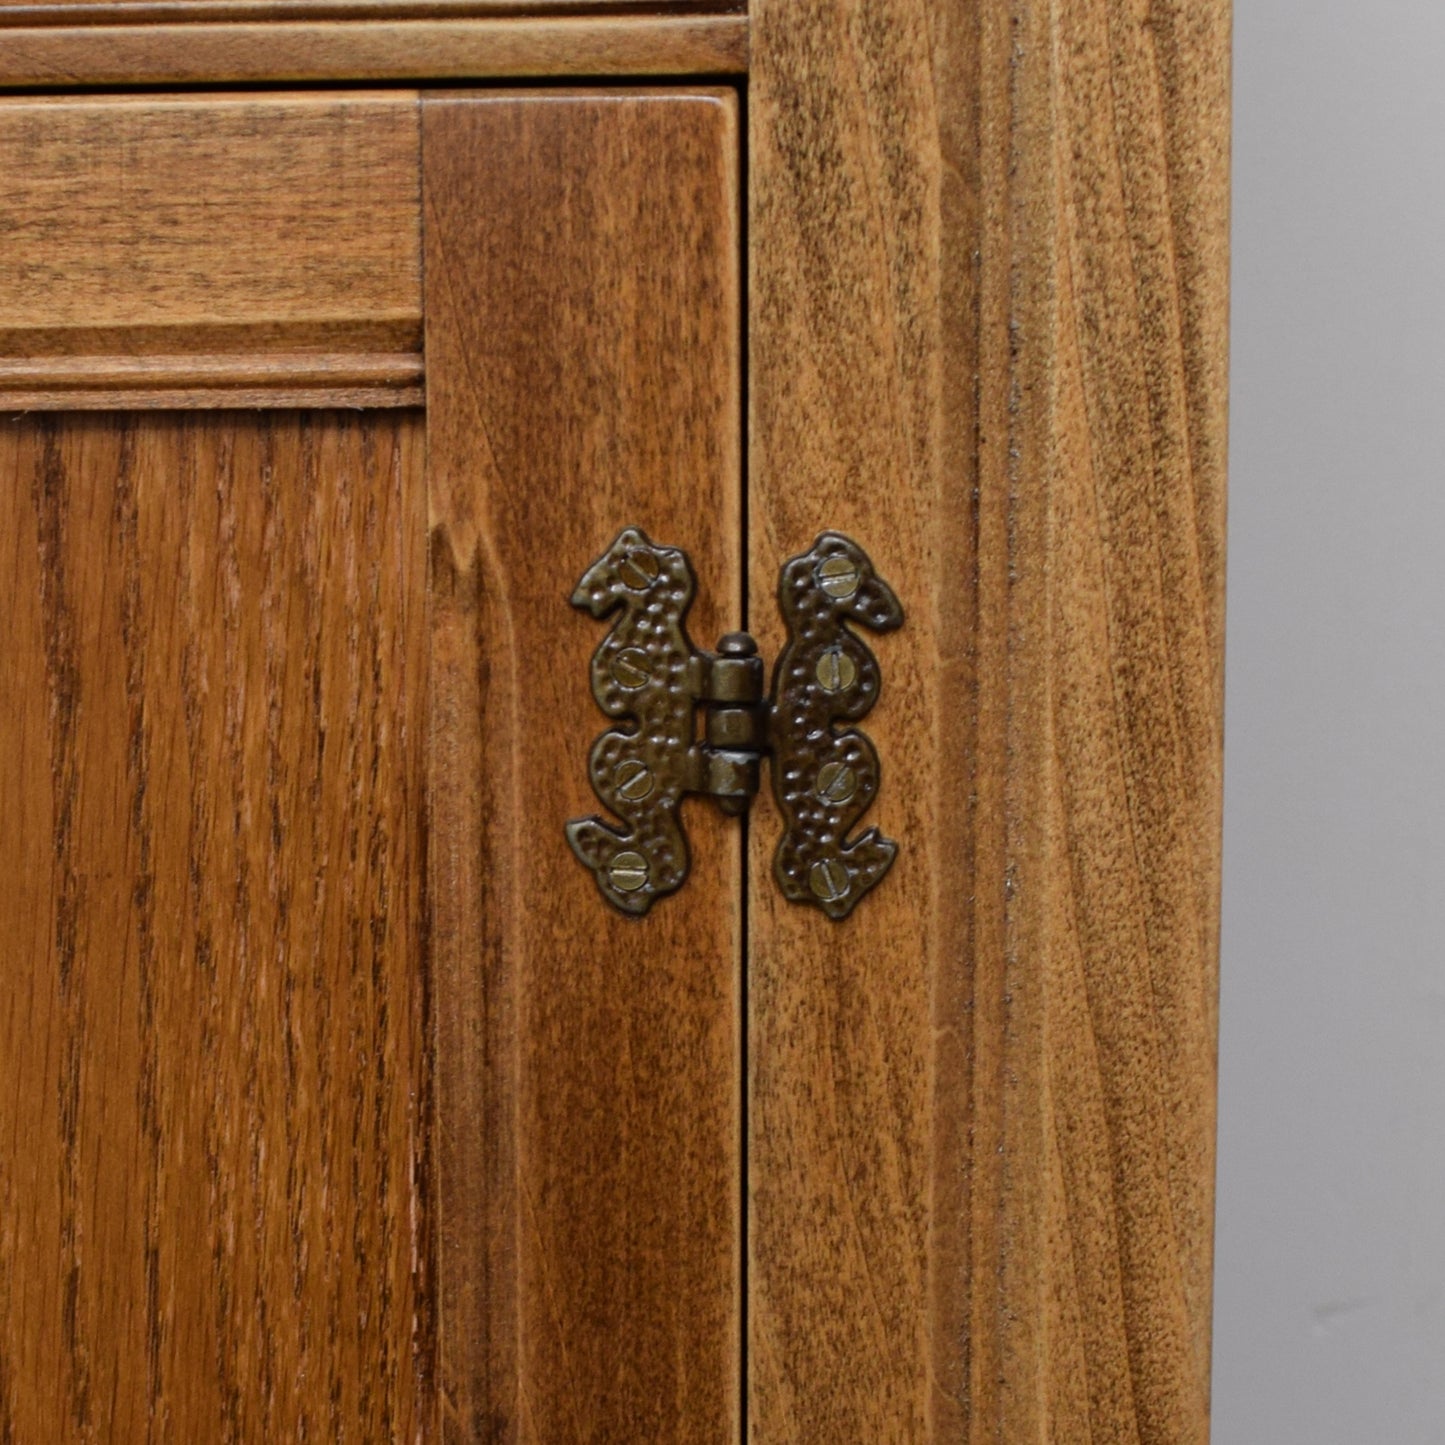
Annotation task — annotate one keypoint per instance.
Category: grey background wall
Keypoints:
(1330, 1295)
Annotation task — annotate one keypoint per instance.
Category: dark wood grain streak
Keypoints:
(987, 337)
(212, 1154)
(582, 304)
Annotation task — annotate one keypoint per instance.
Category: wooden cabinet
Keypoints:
(335, 1102)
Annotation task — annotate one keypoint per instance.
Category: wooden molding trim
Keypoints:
(154, 12)
(438, 49)
(250, 379)
(1100, 334)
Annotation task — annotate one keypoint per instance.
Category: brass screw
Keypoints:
(829, 881)
(838, 577)
(633, 780)
(631, 669)
(627, 872)
(836, 671)
(638, 570)
(837, 783)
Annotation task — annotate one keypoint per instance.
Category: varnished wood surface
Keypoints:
(583, 361)
(127, 12)
(987, 338)
(856, 1128)
(248, 379)
(480, 48)
(210, 250)
(213, 1220)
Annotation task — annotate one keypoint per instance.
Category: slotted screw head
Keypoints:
(836, 671)
(633, 780)
(838, 577)
(829, 880)
(631, 669)
(638, 570)
(627, 872)
(837, 783)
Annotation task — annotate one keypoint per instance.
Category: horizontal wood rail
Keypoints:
(479, 47)
(151, 12)
(210, 251)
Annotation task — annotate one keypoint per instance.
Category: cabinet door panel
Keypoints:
(212, 1221)
(320, 1046)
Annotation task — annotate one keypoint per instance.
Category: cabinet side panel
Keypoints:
(987, 338)
(582, 336)
(212, 1213)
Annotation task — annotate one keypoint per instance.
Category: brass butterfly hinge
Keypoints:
(648, 673)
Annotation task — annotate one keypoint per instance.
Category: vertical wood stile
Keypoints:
(583, 357)
(987, 338)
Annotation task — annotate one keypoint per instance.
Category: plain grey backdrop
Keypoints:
(1330, 1285)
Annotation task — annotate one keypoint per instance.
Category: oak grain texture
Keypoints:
(987, 338)
(582, 302)
(439, 48)
(213, 1214)
(210, 250)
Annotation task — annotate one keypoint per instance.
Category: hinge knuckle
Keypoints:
(743, 729)
(731, 777)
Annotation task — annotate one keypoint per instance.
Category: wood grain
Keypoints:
(213, 1220)
(582, 303)
(483, 47)
(248, 379)
(987, 338)
(198, 246)
(123, 12)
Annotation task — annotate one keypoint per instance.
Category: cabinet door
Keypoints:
(335, 1105)
(334, 1102)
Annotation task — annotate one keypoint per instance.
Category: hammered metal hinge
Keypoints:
(647, 673)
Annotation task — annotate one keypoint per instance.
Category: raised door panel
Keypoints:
(194, 251)
(213, 1219)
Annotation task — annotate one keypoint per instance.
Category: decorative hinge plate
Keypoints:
(648, 673)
